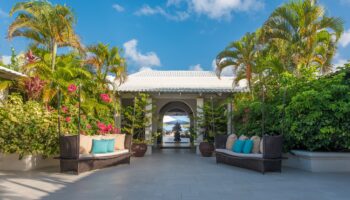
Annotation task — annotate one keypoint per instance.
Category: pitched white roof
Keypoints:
(10, 74)
(177, 81)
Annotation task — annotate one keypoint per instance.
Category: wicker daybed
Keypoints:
(72, 160)
(268, 161)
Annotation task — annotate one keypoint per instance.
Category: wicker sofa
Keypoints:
(71, 160)
(268, 161)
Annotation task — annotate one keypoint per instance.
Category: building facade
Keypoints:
(176, 92)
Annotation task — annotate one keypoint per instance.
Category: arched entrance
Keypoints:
(176, 122)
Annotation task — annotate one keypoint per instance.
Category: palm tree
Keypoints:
(241, 55)
(304, 27)
(69, 69)
(106, 61)
(50, 26)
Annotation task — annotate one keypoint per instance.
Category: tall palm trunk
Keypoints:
(249, 79)
(53, 58)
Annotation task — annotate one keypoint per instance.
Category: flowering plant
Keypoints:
(72, 88)
(105, 98)
(105, 129)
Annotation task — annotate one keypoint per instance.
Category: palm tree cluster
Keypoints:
(96, 69)
(295, 44)
(297, 37)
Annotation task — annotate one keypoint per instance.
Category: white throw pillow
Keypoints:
(262, 146)
(256, 146)
(230, 141)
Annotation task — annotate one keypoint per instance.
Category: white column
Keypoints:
(229, 117)
(148, 129)
(200, 104)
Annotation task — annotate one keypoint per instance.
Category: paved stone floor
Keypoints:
(176, 174)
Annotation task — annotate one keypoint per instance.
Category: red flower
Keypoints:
(72, 88)
(64, 109)
(105, 98)
(68, 119)
(103, 128)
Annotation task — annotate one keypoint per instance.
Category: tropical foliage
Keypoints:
(59, 84)
(135, 120)
(212, 119)
(27, 128)
(286, 63)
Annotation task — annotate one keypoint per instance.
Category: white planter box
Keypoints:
(10, 162)
(318, 161)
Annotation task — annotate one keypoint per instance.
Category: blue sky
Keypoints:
(170, 34)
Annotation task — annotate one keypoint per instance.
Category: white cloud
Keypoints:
(228, 71)
(146, 10)
(147, 60)
(217, 9)
(339, 62)
(196, 68)
(3, 13)
(214, 9)
(345, 39)
(6, 60)
(118, 7)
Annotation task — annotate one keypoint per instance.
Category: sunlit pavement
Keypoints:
(175, 174)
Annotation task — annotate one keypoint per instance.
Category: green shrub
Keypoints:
(318, 117)
(317, 113)
(27, 128)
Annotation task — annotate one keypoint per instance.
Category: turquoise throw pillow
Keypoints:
(99, 146)
(238, 146)
(110, 145)
(248, 146)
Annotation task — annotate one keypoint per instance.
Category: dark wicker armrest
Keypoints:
(272, 146)
(128, 142)
(220, 141)
(69, 147)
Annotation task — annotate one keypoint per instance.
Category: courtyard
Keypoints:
(175, 174)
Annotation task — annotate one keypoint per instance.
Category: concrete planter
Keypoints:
(318, 161)
(10, 162)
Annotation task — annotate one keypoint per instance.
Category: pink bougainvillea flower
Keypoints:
(103, 129)
(72, 88)
(109, 127)
(64, 109)
(105, 98)
(68, 119)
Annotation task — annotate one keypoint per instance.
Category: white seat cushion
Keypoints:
(243, 155)
(100, 155)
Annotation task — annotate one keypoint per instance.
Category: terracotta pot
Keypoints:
(206, 149)
(139, 150)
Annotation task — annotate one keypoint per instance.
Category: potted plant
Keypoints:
(212, 122)
(135, 123)
(139, 147)
(206, 148)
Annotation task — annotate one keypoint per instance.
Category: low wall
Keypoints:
(10, 162)
(318, 161)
